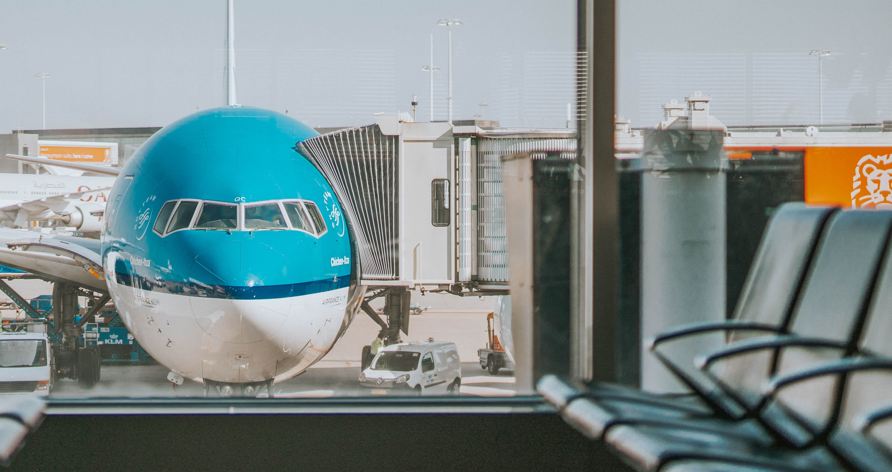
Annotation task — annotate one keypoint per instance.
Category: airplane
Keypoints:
(70, 201)
(224, 250)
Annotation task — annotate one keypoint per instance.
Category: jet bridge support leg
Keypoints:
(396, 309)
(72, 360)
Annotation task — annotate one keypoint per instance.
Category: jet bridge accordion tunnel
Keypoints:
(424, 201)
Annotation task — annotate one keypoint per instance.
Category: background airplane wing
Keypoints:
(40, 209)
(108, 170)
(57, 258)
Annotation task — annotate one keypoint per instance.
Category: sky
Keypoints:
(333, 63)
(337, 63)
(752, 58)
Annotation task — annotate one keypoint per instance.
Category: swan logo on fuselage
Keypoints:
(339, 261)
(334, 213)
(143, 217)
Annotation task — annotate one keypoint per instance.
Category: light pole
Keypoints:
(821, 53)
(449, 23)
(43, 76)
(432, 68)
(483, 106)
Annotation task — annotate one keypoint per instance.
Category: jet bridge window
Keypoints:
(217, 216)
(182, 216)
(316, 217)
(264, 216)
(163, 216)
(440, 202)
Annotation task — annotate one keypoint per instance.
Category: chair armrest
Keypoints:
(866, 422)
(704, 361)
(821, 369)
(707, 327)
(558, 391)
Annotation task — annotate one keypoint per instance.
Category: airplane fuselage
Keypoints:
(226, 252)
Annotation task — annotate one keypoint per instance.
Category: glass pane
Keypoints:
(264, 216)
(183, 216)
(217, 216)
(396, 361)
(318, 222)
(440, 202)
(427, 363)
(163, 216)
(296, 215)
(25, 353)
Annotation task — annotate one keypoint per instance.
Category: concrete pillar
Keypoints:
(682, 240)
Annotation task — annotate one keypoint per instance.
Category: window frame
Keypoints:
(311, 220)
(244, 219)
(191, 220)
(163, 232)
(303, 209)
(238, 216)
(435, 222)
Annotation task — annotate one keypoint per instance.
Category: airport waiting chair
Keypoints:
(18, 417)
(773, 285)
(812, 405)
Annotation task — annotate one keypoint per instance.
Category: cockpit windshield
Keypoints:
(264, 216)
(218, 216)
(297, 215)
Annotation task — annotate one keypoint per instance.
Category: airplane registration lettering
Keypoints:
(152, 302)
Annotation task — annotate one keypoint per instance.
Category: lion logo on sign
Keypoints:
(872, 183)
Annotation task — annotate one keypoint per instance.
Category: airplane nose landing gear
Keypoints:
(239, 390)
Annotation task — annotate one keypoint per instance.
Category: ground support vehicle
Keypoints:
(26, 361)
(493, 357)
(428, 368)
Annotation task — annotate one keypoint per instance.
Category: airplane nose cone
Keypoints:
(240, 307)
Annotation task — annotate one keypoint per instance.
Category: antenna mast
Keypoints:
(230, 58)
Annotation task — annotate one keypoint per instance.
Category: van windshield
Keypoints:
(396, 361)
(22, 353)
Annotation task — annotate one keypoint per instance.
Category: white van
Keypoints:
(25, 363)
(429, 368)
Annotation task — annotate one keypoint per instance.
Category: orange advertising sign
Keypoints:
(854, 177)
(77, 153)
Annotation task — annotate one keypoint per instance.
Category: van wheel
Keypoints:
(454, 388)
(491, 366)
(417, 390)
(366, 357)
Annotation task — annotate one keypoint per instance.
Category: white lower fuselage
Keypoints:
(233, 341)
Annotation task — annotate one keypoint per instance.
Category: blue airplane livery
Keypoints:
(225, 251)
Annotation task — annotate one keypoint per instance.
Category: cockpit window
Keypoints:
(182, 216)
(163, 216)
(295, 212)
(316, 216)
(264, 216)
(302, 215)
(217, 216)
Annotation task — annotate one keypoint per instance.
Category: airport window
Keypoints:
(316, 217)
(427, 363)
(163, 217)
(440, 202)
(297, 216)
(182, 216)
(264, 216)
(217, 216)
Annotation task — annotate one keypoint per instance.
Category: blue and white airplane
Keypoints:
(224, 250)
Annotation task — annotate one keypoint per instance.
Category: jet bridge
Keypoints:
(424, 200)
(424, 204)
